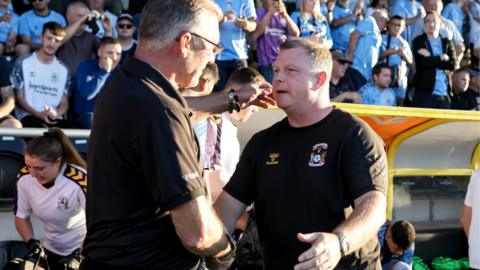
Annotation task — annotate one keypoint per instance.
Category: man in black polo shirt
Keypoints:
(318, 178)
(146, 204)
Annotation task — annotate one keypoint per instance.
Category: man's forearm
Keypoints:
(213, 103)
(365, 220)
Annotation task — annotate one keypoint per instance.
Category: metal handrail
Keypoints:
(35, 132)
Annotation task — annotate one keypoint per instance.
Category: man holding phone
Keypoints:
(239, 17)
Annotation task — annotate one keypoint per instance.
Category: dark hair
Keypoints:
(210, 72)
(403, 234)
(377, 69)
(108, 41)
(52, 145)
(465, 69)
(397, 17)
(54, 28)
(434, 13)
(245, 75)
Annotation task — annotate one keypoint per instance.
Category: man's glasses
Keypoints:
(33, 1)
(217, 48)
(125, 26)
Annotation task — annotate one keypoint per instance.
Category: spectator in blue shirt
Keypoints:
(8, 28)
(397, 242)
(378, 91)
(239, 18)
(456, 12)
(396, 52)
(91, 76)
(31, 23)
(343, 24)
(312, 23)
(412, 11)
(447, 28)
(364, 46)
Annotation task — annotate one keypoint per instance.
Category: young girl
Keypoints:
(52, 186)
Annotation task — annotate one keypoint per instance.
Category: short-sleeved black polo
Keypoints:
(143, 161)
(305, 180)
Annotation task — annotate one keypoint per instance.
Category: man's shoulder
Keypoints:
(27, 14)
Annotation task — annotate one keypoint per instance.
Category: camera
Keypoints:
(92, 23)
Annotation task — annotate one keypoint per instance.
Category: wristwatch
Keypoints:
(344, 245)
(233, 101)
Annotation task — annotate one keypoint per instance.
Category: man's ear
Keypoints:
(184, 44)
(321, 79)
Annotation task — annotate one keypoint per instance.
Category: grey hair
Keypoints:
(320, 57)
(163, 21)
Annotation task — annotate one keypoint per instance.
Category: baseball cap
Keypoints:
(340, 57)
(125, 16)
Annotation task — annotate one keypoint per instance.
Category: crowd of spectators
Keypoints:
(391, 53)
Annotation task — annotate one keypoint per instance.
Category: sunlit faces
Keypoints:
(383, 79)
(75, 13)
(112, 52)
(40, 5)
(44, 172)
(294, 81)
(125, 29)
(339, 69)
(309, 5)
(461, 80)
(201, 51)
(381, 18)
(432, 24)
(51, 43)
(396, 27)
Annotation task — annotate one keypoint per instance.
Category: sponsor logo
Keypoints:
(273, 159)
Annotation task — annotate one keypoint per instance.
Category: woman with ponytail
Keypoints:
(52, 186)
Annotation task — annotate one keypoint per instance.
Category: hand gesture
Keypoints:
(106, 63)
(324, 253)
(229, 15)
(107, 24)
(254, 94)
(72, 261)
(240, 22)
(424, 52)
(444, 57)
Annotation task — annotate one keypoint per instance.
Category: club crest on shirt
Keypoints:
(32, 74)
(273, 159)
(62, 203)
(54, 77)
(318, 155)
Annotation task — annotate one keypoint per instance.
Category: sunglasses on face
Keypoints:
(125, 26)
(33, 1)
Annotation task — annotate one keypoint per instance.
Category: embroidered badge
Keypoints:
(273, 158)
(54, 77)
(318, 155)
(62, 203)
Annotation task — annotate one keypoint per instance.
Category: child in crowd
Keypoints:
(395, 51)
(378, 91)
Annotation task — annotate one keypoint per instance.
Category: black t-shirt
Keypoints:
(143, 161)
(305, 180)
(465, 101)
